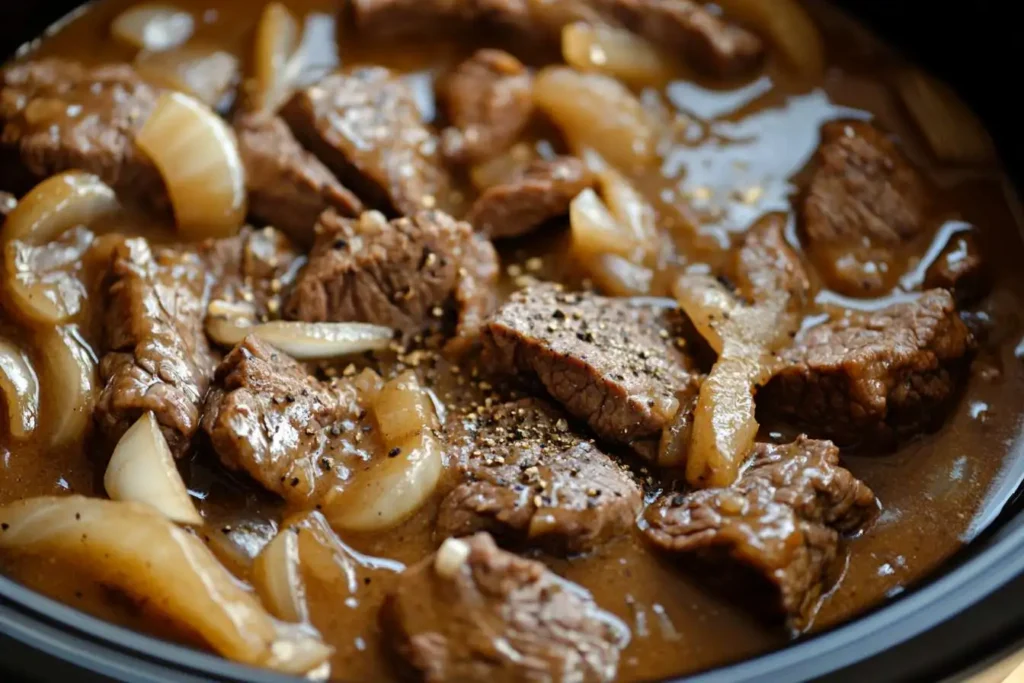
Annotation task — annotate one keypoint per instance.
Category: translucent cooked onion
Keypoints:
(595, 231)
(277, 576)
(616, 276)
(952, 130)
(597, 112)
(617, 53)
(57, 204)
(301, 340)
(138, 551)
(634, 213)
(21, 390)
(70, 383)
(745, 337)
(788, 26)
(396, 485)
(153, 27)
(277, 37)
(503, 168)
(142, 470)
(197, 155)
(229, 322)
(205, 73)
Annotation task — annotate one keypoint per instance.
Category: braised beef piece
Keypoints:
(365, 126)
(779, 524)
(489, 101)
(57, 115)
(765, 263)
(541, 192)
(865, 200)
(612, 363)
(873, 377)
(288, 187)
(710, 43)
(156, 354)
(529, 480)
(473, 612)
(255, 268)
(960, 268)
(265, 415)
(413, 274)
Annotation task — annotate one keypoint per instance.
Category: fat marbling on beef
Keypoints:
(473, 612)
(780, 522)
(615, 364)
(530, 480)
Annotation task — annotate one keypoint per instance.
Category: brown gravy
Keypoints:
(937, 492)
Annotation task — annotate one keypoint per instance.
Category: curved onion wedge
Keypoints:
(203, 72)
(707, 304)
(597, 112)
(395, 486)
(57, 204)
(197, 155)
(142, 470)
(301, 340)
(596, 231)
(135, 549)
(277, 38)
(615, 52)
(70, 383)
(787, 25)
(616, 276)
(153, 27)
(277, 576)
(229, 322)
(20, 388)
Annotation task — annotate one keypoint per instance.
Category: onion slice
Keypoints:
(71, 382)
(58, 203)
(21, 390)
(142, 470)
(153, 27)
(228, 325)
(788, 26)
(277, 576)
(617, 53)
(277, 38)
(197, 155)
(397, 484)
(135, 549)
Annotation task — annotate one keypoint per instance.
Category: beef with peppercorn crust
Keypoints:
(780, 523)
(875, 376)
(616, 364)
(542, 191)
(414, 274)
(489, 101)
(474, 612)
(531, 481)
(765, 263)
(294, 434)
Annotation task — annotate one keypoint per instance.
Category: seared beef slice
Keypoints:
(366, 128)
(266, 416)
(472, 612)
(864, 201)
(409, 274)
(765, 263)
(288, 187)
(541, 192)
(610, 362)
(489, 101)
(780, 521)
(529, 480)
(58, 115)
(874, 376)
(157, 355)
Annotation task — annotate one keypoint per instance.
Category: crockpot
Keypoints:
(969, 609)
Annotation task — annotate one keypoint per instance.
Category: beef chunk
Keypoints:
(780, 522)
(765, 263)
(529, 480)
(288, 187)
(874, 376)
(394, 18)
(57, 115)
(254, 268)
(541, 192)
(265, 415)
(364, 124)
(610, 362)
(711, 44)
(864, 201)
(472, 612)
(410, 274)
(489, 101)
(157, 357)
(960, 268)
